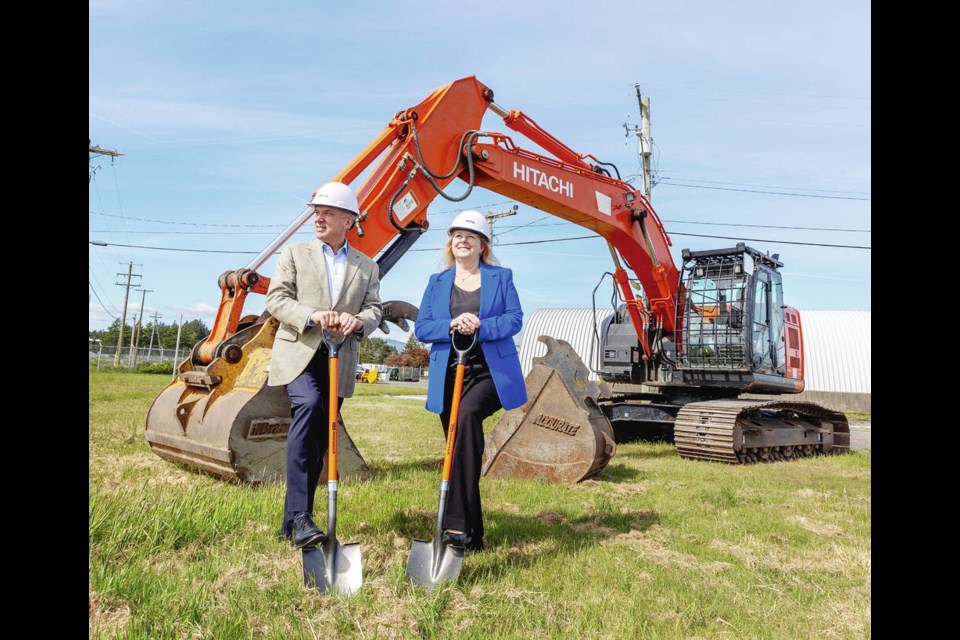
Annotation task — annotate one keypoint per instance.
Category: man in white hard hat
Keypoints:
(317, 285)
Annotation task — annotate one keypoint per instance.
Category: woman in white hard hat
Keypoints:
(472, 294)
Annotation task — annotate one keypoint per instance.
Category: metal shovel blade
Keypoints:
(333, 567)
(433, 562)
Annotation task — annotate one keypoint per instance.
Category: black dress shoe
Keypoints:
(306, 533)
(455, 539)
(285, 534)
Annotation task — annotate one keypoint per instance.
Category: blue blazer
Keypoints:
(500, 319)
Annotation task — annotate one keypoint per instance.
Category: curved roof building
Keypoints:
(836, 349)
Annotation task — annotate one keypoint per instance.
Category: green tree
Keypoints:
(110, 335)
(164, 335)
(375, 350)
(412, 343)
(192, 332)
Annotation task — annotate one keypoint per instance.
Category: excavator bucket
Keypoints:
(223, 419)
(560, 434)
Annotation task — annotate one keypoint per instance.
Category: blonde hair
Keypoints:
(486, 253)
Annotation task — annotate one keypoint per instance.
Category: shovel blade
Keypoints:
(431, 563)
(333, 567)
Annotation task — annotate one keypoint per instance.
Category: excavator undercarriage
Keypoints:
(569, 428)
(746, 431)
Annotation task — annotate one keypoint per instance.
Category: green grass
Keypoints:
(653, 547)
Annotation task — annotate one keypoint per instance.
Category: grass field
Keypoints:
(652, 547)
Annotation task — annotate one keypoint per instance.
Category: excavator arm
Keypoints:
(417, 155)
(420, 152)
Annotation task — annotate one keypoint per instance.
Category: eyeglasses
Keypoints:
(463, 237)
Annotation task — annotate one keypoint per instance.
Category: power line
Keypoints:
(738, 239)
(775, 193)
(137, 246)
(264, 226)
(194, 224)
(508, 244)
(698, 89)
(765, 226)
(809, 244)
(194, 233)
(102, 290)
(520, 226)
(766, 186)
(101, 302)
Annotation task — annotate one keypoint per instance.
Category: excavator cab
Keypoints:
(733, 320)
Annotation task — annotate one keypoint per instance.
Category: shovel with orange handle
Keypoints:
(333, 567)
(431, 563)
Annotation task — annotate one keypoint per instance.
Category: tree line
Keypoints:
(378, 351)
(160, 334)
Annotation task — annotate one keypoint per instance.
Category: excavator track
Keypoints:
(748, 431)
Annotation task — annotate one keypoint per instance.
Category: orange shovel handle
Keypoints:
(333, 374)
(455, 403)
(452, 425)
(334, 418)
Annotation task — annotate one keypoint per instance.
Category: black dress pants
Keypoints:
(478, 401)
(308, 438)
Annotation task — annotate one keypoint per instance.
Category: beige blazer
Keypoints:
(298, 288)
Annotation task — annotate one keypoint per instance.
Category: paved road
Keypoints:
(860, 436)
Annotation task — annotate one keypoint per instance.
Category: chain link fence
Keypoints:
(107, 356)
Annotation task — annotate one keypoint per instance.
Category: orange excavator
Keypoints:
(675, 358)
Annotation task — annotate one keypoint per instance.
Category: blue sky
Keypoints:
(230, 114)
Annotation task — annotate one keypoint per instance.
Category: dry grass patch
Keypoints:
(550, 517)
(653, 550)
(757, 554)
(108, 616)
(819, 528)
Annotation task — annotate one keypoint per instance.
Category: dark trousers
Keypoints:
(478, 401)
(308, 438)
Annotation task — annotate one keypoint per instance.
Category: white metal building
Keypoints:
(836, 349)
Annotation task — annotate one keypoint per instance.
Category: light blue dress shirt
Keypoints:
(336, 268)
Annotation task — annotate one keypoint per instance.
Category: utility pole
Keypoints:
(493, 216)
(123, 320)
(156, 315)
(646, 142)
(137, 331)
(176, 349)
(97, 151)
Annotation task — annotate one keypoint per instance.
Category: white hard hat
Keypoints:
(336, 194)
(474, 221)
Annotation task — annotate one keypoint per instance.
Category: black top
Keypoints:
(466, 302)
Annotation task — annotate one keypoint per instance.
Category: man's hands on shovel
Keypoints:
(345, 323)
